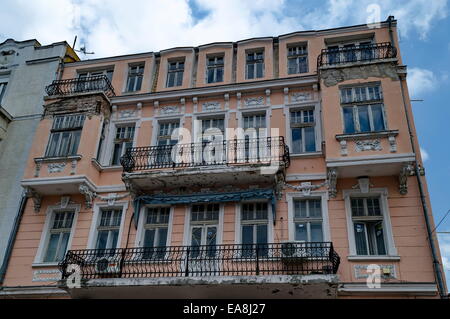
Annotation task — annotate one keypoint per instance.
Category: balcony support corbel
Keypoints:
(37, 199)
(406, 171)
(89, 195)
(332, 181)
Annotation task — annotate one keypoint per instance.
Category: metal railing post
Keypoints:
(186, 271)
(257, 259)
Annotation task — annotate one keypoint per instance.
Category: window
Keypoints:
(297, 59)
(2, 90)
(215, 69)
(84, 85)
(351, 52)
(155, 232)
(255, 123)
(166, 130)
(108, 73)
(61, 227)
(368, 228)
(65, 135)
(175, 74)
(135, 75)
(123, 141)
(308, 220)
(204, 225)
(108, 229)
(255, 65)
(303, 131)
(211, 128)
(254, 228)
(363, 109)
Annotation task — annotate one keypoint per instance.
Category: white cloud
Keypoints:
(112, 27)
(425, 155)
(421, 81)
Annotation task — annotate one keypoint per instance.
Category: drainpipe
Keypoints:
(436, 264)
(12, 238)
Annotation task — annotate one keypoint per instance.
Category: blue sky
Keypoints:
(112, 27)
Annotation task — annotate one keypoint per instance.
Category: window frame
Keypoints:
(138, 76)
(176, 71)
(355, 103)
(302, 126)
(255, 62)
(297, 56)
(92, 239)
(382, 194)
(108, 228)
(215, 67)
(61, 131)
(45, 235)
(140, 234)
(3, 87)
(122, 141)
(323, 196)
(239, 224)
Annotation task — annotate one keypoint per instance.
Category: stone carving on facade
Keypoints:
(334, 76)
(368, 145)
(89, 195)
(56, 167)
(65, 200)
(112, 197)
(37, 199)
(332, 181)
(169, 109)
(238, 97)
(73, 167)
(386, 271)
(267, 96)
(279, 185)
(254, 101)
(127, 114)
(37, 169)
(305, 187)
(392, 144)
(226, 97)
(343, 144)
(286, 95)
(37, 275)
(406, 171)
(300, 97)
(211, 106)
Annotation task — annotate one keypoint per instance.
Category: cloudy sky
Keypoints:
(113, 27)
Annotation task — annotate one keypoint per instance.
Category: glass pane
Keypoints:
(316, 232)
(116, 154)
(51, 248)
(63, 246)
(373, 207)
(210, 75)
(377, 116)
(297, 141)
(315, 208)
(300, 208)
(310, 139)
(149, 238)
(52, 149)
(301, 232)
(292, 66)
(162, 242)
(360, 239)
(139, 83)
(171, 79)
(259, 70)
(364, 123)
(357, 206)
(219, 75)
(131, 83)
(179, 78)
(102, 239)
(64, 145)
(247, 234)
(349, 124)
(303, 64)
(114, 237)
(250, 71)
(196, 241)
(211, 234)
(75, 141)
(379, 238)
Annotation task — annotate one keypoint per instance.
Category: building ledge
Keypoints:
(57, 159)
(407, 288)
(366, 135)
(102, 168)
(373, 258)
(31, 291)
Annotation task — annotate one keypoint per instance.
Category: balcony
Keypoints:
(90, 84)
(356, 54)
(224, 162)
(213, 268)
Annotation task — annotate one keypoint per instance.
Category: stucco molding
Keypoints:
(406, 171)
(37, 199)
(332, 181)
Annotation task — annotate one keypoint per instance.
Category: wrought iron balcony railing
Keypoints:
(258, 151)
(96, 83)
(296, 258)
(371, 52)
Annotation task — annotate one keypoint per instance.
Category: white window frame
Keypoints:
(123, 149)
(238, 221)
(323, 195)
(176, 71)
(45, 235)
(215, 67)
(3, 88)
(92, 239)
(111, 128)
(139, 241)
(255, 72)
(318, 125)
(140, 73)
(61, 131)
(188, 227)
(382, 193)
(297, 56)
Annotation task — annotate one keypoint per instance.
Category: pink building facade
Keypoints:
(278, 167)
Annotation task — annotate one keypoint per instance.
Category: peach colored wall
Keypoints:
(267, 46)
(204, 53)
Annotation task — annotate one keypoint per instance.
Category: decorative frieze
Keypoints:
(306, 187)
(298, 97)
(112, 197)
(56, 167)
(169, 109)
(43, 275)
(368, 145)
(254, 101)
(386, 271)
(211, 106)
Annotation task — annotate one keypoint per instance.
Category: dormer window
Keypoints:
(175, 73)
(215, 69)
(297, 59)
(255, 64)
